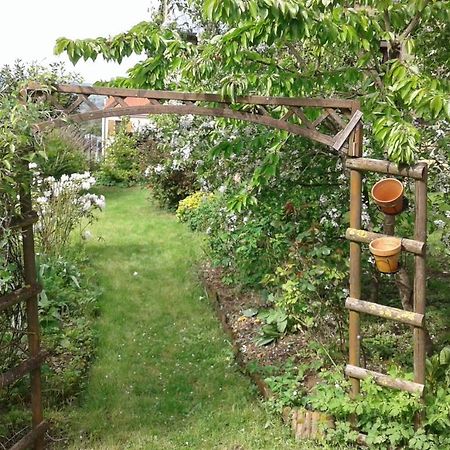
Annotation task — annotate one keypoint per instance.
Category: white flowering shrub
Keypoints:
(172, 148)
(62, 206)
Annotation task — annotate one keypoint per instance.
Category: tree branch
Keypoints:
(296, 54)
(387, 21)
(412, 25)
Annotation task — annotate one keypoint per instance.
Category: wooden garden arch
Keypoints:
(337, 123)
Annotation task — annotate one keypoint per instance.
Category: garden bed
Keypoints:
(232, 303)
(253, 359)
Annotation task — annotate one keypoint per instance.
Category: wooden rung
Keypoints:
(18, 295)
(29, 439)
(365, 237)
(386, 312)
(384, 380)
(417, 172)
(11, 376)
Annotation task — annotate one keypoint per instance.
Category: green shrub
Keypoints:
(64, 155)
(386, 416)
(188, 209)
(67, 306)
(121, 164)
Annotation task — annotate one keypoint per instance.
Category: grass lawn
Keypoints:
(164, 376)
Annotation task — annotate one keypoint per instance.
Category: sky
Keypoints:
(29, 29)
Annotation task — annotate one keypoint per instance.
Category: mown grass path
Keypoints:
(164, 376)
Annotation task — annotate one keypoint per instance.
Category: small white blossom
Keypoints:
(42, 200)
(86, 235)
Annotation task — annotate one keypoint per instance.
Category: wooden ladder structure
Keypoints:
(29, 295)
(417, 246)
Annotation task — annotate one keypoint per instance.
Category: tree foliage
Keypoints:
(302, 48)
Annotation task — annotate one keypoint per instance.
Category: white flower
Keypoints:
(222, 189)
(86, 234)
(32, 166)
(439, 224)
(42, 200)
(176, 164)
(186, 152)
(101, 202)
(86, 205)
(159, 168)
(186, 121)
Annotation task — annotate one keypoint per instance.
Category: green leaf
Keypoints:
(444, 356)
(447, 109)
(60, 46)
(264, 341)
(251, 312)
(436, 105)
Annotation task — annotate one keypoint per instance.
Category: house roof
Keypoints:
(130, 101)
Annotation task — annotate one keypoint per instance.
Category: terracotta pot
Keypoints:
(387, 253)
(388, 195)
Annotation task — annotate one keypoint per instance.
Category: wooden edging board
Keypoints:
(301, 427)
(213, 297)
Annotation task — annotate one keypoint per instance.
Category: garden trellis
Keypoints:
(335, 123)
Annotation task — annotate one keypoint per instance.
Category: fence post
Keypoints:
(33, 328)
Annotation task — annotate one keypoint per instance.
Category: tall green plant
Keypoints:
(121, 164)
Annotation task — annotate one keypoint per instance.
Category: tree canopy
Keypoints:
(390, 55)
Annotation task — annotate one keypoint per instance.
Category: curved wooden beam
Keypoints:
(205, 104)
(191, 109)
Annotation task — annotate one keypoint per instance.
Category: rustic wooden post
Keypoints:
(420, 278)
(33, 328)
(355, 150)
(389, 224)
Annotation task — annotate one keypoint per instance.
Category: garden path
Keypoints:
(164, 376)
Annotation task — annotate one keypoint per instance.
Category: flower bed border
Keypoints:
(304, 424)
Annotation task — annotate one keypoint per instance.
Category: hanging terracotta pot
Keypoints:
(388, 195)
(387, 253)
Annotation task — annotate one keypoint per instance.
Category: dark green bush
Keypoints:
(64, 154)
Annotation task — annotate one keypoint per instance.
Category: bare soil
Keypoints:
(232, 303)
